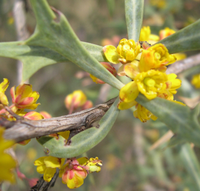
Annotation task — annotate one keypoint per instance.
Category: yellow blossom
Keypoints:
(165, 33)
(145, 35)
(129, 92)
(130, 69)
(126, 51)
(150, 83)
(7, 163)
(24, 97)
(143, 114)
(180, 56)
(73, 172)
(75, 100)
(155, 57)
(3, 86)
(93, 164)
(196, 81)
(47, 165)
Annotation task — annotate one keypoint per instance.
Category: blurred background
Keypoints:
(128, 162)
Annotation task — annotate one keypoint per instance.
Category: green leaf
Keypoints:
(191, 163)
(54, 32)
(36, 57)
(83, 141)
(134, 16)
(186, 39)
(180, 119)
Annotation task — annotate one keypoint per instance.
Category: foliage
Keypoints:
(143, 62)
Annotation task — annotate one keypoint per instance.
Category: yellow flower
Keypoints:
(110, 68)
(130, 69)
(196, 81)
(143, 114)
(3, 86)
(180, 56)
(145, 35)
(24, 97)
(75, 100)
(93, 164)
(165, 33)
(172, 83)
(47, 165)
(73, 172)
(7, 163)
(155, 57)
(150, 83)
(129, 92)
(126, 51)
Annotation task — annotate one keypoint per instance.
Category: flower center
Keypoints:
(157, 56)
(149, 82)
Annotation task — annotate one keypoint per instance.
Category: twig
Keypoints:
(183, 65)
(166, 137)
(42, 185)
(22, 33)
(21, 130)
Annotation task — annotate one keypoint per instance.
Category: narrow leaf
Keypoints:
(191, 163)
(83, 141)
(55, 33)
(134, 16)
(36, 57)
(180, 119)
(186, 39)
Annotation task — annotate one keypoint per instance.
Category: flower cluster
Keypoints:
(22, 98)
(145, 65)
(72, 171)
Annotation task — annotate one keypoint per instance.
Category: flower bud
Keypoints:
(75, 100)
(88, 104)
(110, 68)
(165, 33)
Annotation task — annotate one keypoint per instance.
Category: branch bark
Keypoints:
(182, 65)
(23, 129)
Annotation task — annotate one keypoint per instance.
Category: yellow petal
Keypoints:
(132, 69)
(82, 160)
(52, 162)
(41, 169)
(75, 182)
(124, 105)
(64, 134)
(49, 173)
(129, 92)
(39, 161)
(111, 54)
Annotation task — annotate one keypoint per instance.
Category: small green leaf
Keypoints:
(83, 141)
(186, 39)
(36, 57)
(180, 119)
(54, 32)
(134, 16)
(191, 163)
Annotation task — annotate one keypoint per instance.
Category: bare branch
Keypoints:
(24, 129)
(183, 65)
